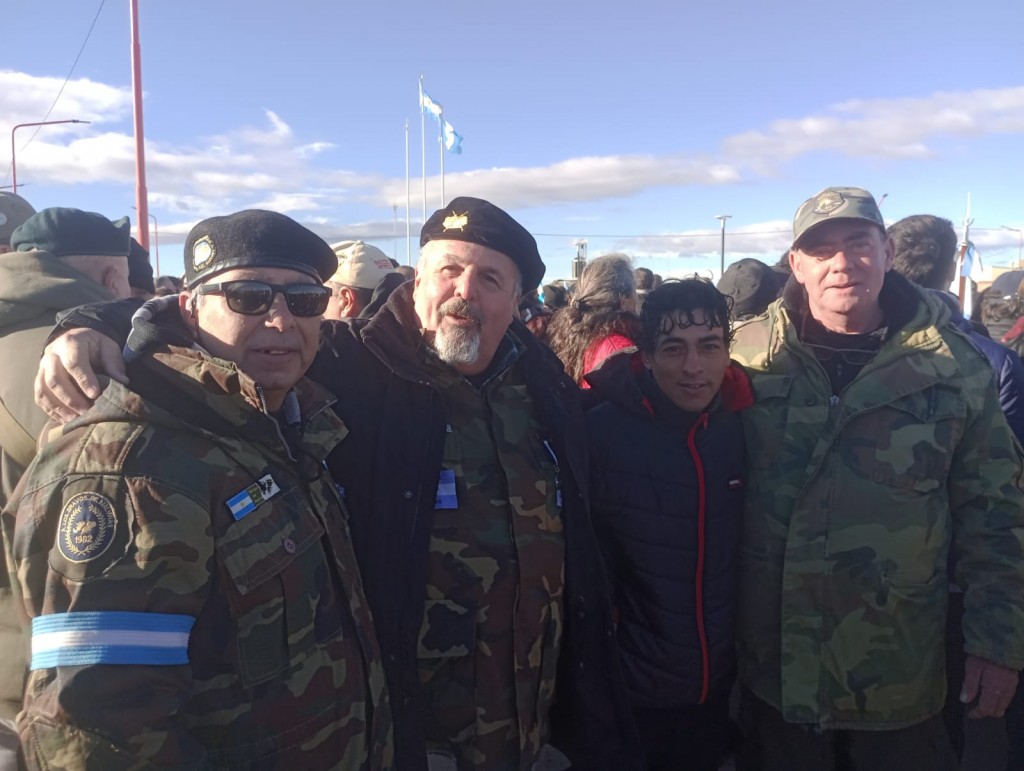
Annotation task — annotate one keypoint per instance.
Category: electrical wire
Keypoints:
(63, 85)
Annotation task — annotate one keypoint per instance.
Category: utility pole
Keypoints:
(722, 218)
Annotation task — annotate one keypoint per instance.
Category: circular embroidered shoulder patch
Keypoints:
(87, 525)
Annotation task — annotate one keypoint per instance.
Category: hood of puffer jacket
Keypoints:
(32, 283)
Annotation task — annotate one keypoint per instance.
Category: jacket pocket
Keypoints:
(447, 665)
(274, 561)
(764, 423)
(908, 444)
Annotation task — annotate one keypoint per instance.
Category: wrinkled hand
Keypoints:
(991, 684)
(66, 383)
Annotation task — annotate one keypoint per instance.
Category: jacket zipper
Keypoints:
(691, 442)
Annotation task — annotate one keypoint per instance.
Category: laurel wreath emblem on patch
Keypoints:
(87, 525)
(203, 252)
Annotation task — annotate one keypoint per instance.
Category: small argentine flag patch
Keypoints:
(246, 501)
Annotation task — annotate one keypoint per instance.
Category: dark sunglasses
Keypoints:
(254, 298)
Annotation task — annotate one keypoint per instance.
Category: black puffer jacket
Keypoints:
(667, 494)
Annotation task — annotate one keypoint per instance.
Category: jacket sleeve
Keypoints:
(987, 505)
(1011, 393)
(112, 575)
(112, 318)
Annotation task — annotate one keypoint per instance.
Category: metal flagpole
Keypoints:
(408, 247)
(440, 141)
(141, 194)
(964, 244)
(423, 149)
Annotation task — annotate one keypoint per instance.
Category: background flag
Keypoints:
(452, 138)
(429, 106)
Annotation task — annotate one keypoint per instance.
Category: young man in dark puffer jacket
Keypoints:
(667, 469)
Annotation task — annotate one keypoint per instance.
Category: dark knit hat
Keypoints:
(752, 286)
(481, 222)
(140, 271)
(63, 232)
(14, 210)
(255, 238)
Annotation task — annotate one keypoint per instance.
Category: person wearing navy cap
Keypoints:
(465, 469)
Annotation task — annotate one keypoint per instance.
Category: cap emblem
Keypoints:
(203, 252)
(828, 202)
(456, 221)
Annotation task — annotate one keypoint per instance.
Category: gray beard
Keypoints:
(457, 345)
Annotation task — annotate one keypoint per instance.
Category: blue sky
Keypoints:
(631, 125)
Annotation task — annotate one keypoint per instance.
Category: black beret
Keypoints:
(140, 272)
(63, 232)
(481, 222)
(255, 238)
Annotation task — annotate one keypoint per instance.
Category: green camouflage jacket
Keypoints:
(853, 505)
(193, 593)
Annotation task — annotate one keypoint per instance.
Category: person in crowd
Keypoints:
(535, 315)
(166, 285)
(210, 611)
(925, 250)
(667, 473)
(555, 296)
(644, 278)
(877, 456)
(62, 258)
(361, 267)
(752, 285)
(600, 320)
(14, 210)
(468, 488)
(140, 272)
(407, 272)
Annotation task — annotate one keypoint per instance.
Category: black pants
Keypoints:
(686, 739)
(772, 744)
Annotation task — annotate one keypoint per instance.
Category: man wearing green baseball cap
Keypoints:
(880, 464)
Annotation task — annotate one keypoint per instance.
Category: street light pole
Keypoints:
(1020, 245)
(14, 162)
(722, 218)
(156, 242)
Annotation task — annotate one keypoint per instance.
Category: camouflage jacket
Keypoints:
(853, 505)
(192, 587)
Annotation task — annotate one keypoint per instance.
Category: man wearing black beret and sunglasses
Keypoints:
(466, 473)
(183, 553)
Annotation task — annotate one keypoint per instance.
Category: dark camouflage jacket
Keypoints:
(194, 596)
(853, 505)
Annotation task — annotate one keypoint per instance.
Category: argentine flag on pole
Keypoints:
(429, 106)
(452, 138)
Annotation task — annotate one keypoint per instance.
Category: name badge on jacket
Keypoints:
(446, 497)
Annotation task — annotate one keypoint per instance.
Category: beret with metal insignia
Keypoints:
(836, 203)
(251, 239)
(64, 232)
(481, 222)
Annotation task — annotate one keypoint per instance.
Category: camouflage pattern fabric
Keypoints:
(492, 622)
(853, 505)
(193, 591)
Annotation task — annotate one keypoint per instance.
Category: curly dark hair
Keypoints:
(682, 297)
(595, 312)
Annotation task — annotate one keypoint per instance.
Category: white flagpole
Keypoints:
(440, 139)
(423, 149)
(408, 247)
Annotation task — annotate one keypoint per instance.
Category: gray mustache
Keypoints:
(459, 307)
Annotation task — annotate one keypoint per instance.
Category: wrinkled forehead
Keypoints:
(467, 253)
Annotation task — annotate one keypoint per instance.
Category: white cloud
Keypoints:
(267, 165)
